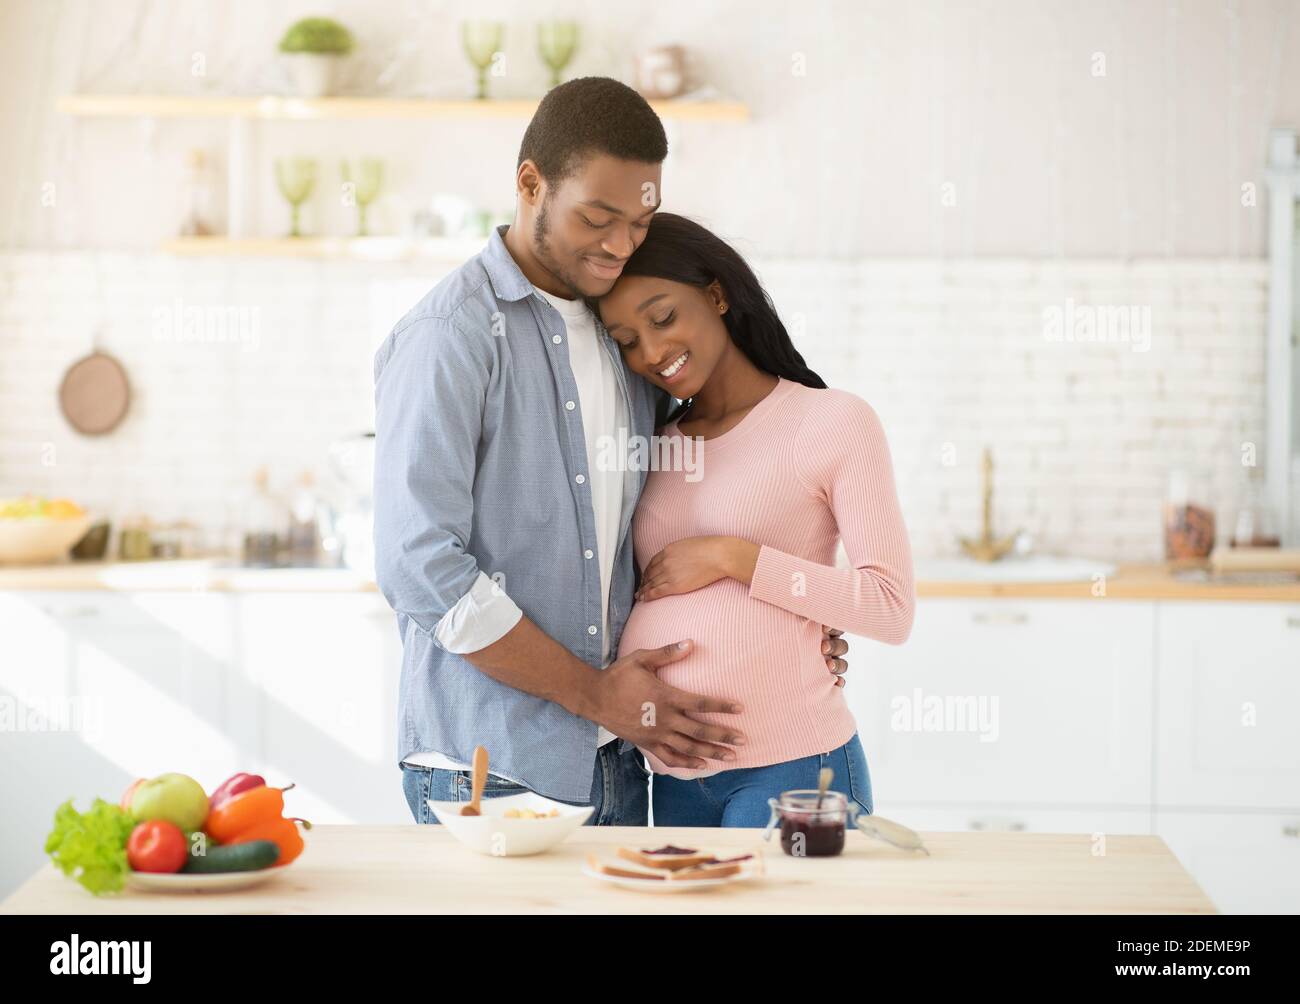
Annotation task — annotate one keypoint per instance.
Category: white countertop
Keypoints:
(199, 575)
(1142, 581)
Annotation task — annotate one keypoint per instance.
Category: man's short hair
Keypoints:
(591, 115)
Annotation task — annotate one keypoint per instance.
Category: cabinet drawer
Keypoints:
(1017, 819)
(320, 675)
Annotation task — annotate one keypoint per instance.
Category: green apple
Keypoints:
(175, 798)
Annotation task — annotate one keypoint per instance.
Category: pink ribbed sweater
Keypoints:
(803, 470)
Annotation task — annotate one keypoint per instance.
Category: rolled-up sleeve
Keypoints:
(431, 383)
(480, 617)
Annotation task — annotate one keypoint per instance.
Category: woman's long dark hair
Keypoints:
(681, 250)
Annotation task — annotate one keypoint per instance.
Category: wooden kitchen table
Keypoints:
(422, 869)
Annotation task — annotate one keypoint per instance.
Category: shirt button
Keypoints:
(581, 479)
(569, 405)
(591, 629)
(556, 339)
(588, 553)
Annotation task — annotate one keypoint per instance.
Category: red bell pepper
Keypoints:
(233, 786)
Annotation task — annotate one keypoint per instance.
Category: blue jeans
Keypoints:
(620, 790)
(739, 797)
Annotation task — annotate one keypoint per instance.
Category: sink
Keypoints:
(1035, 568)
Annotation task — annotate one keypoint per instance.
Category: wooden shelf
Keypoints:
(288, 108)
(447, 249)
(240, 115)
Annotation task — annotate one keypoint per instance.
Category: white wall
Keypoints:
(953, 356)
(1113, 190)
(995, 97)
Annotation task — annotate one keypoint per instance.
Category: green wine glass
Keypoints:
(482, 41)
(296, 178)
(557, 41)
(362, 187)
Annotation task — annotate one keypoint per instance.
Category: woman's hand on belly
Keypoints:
(695, 562)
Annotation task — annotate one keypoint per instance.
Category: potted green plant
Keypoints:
(312, 46)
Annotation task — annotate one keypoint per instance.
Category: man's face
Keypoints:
(587, 226)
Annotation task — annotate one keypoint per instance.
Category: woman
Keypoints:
(738, 552)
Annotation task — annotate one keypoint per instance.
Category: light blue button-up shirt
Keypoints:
(480, 467)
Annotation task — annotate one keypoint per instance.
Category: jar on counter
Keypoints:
(1256, 525)
(1189, 526)
(266, 523)
(811, 826)
(135, 541)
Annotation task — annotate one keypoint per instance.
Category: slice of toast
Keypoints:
(669, 858)
(603, 869)
(707, 870)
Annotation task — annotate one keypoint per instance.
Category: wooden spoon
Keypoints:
(479, 779)
(823, 783)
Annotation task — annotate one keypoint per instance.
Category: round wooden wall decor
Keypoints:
(95, 394)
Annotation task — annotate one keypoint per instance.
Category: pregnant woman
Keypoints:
(737, 552)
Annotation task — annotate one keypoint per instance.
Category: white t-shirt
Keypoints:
(485, 614)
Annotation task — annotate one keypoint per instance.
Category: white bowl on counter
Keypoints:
(38, 540)
(495, 834)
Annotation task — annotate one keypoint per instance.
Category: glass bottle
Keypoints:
(265, 522)
(304, 522)
(199, 188)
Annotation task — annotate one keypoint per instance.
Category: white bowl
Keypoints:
(39, 539)
(492, 833)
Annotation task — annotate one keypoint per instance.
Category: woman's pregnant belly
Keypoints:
(766, 658)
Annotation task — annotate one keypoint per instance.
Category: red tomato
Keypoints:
(156, 846)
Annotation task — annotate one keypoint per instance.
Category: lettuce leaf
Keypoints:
(91, 846)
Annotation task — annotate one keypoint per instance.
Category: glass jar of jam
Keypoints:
(810, 829)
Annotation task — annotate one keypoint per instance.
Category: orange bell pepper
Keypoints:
(248, 808)
(282, 832)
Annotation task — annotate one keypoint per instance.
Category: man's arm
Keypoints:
(430, 386)
(627, 697)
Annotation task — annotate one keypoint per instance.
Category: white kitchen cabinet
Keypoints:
(317, 679)
(1245, 862)
(100, 688)
(1228, 722)
(143, 672)
(1010, 702)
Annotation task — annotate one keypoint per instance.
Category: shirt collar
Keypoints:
(508, 283)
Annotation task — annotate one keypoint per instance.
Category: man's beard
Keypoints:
(542, 250)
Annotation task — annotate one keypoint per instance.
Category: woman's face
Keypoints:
(669, 332)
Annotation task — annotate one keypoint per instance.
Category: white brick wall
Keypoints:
(1084, 434)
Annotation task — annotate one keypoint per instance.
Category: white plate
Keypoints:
(493, 834)
(668, 885)
(182, 882)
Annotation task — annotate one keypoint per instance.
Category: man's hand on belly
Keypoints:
(631, 701)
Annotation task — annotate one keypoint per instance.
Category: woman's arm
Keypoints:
(842, 455)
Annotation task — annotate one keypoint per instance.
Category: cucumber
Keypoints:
(250, 857)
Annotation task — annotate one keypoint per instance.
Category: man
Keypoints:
(501, 544)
